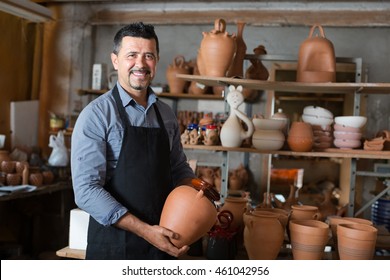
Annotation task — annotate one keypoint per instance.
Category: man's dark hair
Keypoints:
(137, 29)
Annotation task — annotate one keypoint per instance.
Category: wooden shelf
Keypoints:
(297, 87)
(82, 92)
(190, 96)
(327, 153)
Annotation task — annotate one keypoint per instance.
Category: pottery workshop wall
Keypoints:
(86, 32)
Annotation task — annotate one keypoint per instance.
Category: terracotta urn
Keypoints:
(237, 67)
(190, 211)
(217, 50)
(263, 235)
(308, 239)
(356, 241)
(304, 212)
(178, 66)
(232, 132)
(300, 137)
(237, 206)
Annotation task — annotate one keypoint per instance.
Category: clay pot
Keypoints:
(179, 66)
(217, 50)
(189, 213)
(236, 68)
(282, 214)
(20, 165)
(304, 212)
(263, 235)
(48, 177)
(308, 239)
(300, 137)
(8, 166)
(256, 71)
(356, 241)
(334, 221)
(4, 156)
(36, 179)
(13, 179)
(237, 206)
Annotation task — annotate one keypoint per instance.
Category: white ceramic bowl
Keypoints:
(351, 121)
(317, 120)
(317, 111)
(268, 139)
(269, 124)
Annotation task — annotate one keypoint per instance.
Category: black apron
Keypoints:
(141, 182)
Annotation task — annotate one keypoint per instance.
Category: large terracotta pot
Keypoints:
(263, 235)
(217, 50)
(308, 239)
(356, 241)
(188, 212)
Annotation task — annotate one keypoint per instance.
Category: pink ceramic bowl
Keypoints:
(339, 127)
(347, 135)
(347, 144)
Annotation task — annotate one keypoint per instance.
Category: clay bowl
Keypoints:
(347, 135)
(351, 121)
(347, 144)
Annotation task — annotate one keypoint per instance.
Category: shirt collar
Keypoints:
(127, 99)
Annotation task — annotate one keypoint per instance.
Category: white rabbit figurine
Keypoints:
(232, 132)
(59, 156)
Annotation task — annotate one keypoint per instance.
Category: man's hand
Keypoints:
(154, 234)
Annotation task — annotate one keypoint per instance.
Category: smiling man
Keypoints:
(126, 157)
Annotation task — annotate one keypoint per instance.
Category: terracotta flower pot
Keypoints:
(308, 239)
(356, 241)
(189, 213)
(263, 235)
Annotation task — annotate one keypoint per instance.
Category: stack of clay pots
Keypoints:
(347, 131)
(321, 120)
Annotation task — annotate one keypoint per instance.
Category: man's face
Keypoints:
(136, 63)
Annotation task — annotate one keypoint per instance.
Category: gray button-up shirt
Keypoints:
(96, 143)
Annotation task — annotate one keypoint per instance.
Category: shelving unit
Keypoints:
(355, 89)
